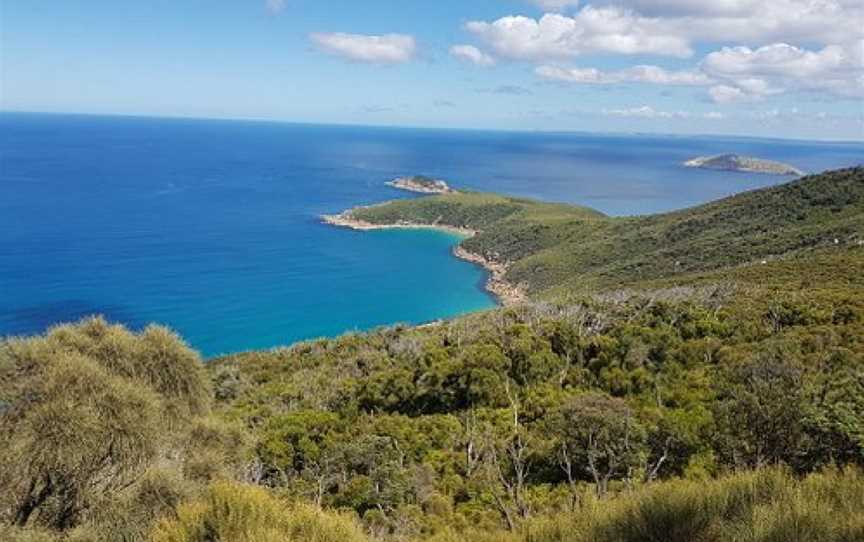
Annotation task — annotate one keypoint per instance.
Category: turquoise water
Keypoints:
(211, 227)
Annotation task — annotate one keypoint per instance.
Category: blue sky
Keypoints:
(790, 68)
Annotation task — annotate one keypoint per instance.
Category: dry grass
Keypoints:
(241, 513)
(764, 506)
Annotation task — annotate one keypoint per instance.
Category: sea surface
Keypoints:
(211, 227)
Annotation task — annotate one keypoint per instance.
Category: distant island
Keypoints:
(736, 162)
(421, 184)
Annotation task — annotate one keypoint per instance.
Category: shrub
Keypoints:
(769, 505)
(231, 512)
(86, 411)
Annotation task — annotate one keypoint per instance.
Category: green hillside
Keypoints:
(690, 376)
(559, 248)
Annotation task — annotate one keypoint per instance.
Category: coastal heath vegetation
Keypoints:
(719, 399)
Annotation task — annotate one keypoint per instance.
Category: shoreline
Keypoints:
(505, 293)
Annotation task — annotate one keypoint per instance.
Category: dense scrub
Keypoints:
(721, 404)
(495, 419)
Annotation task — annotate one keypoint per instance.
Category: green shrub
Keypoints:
(97, 425)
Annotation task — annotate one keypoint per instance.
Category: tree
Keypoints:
(507, 461)
(759, 412)
(598, 435)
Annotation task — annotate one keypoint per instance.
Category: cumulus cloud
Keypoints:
(724, 94)
(384, 49)
(741, 74)
(670, 27)
(780, 67)
(754, 21)
(471, 54)
(591, 30)
(792, 46)
(637, 74)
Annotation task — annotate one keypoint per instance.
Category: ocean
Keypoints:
(211, 227)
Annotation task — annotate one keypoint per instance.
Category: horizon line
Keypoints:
(424, 127)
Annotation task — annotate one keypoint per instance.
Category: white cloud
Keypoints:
(756, 22)
(670, 27)
(792, 46)
(469, 53)
(780, 67)
(724, 94)
(779, 59)
(741, 74)
(592, 30)
(385, 49)
(637, 74)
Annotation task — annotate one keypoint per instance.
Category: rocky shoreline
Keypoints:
(506, 293)
(345, 220)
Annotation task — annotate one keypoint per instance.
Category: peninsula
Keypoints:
(736, 162)
(544, 249)
(421, 184)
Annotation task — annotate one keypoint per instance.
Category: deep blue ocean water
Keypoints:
(211, 227)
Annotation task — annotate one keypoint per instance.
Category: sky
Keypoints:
(780, 68)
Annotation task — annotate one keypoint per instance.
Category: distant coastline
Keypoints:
(503, 291)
